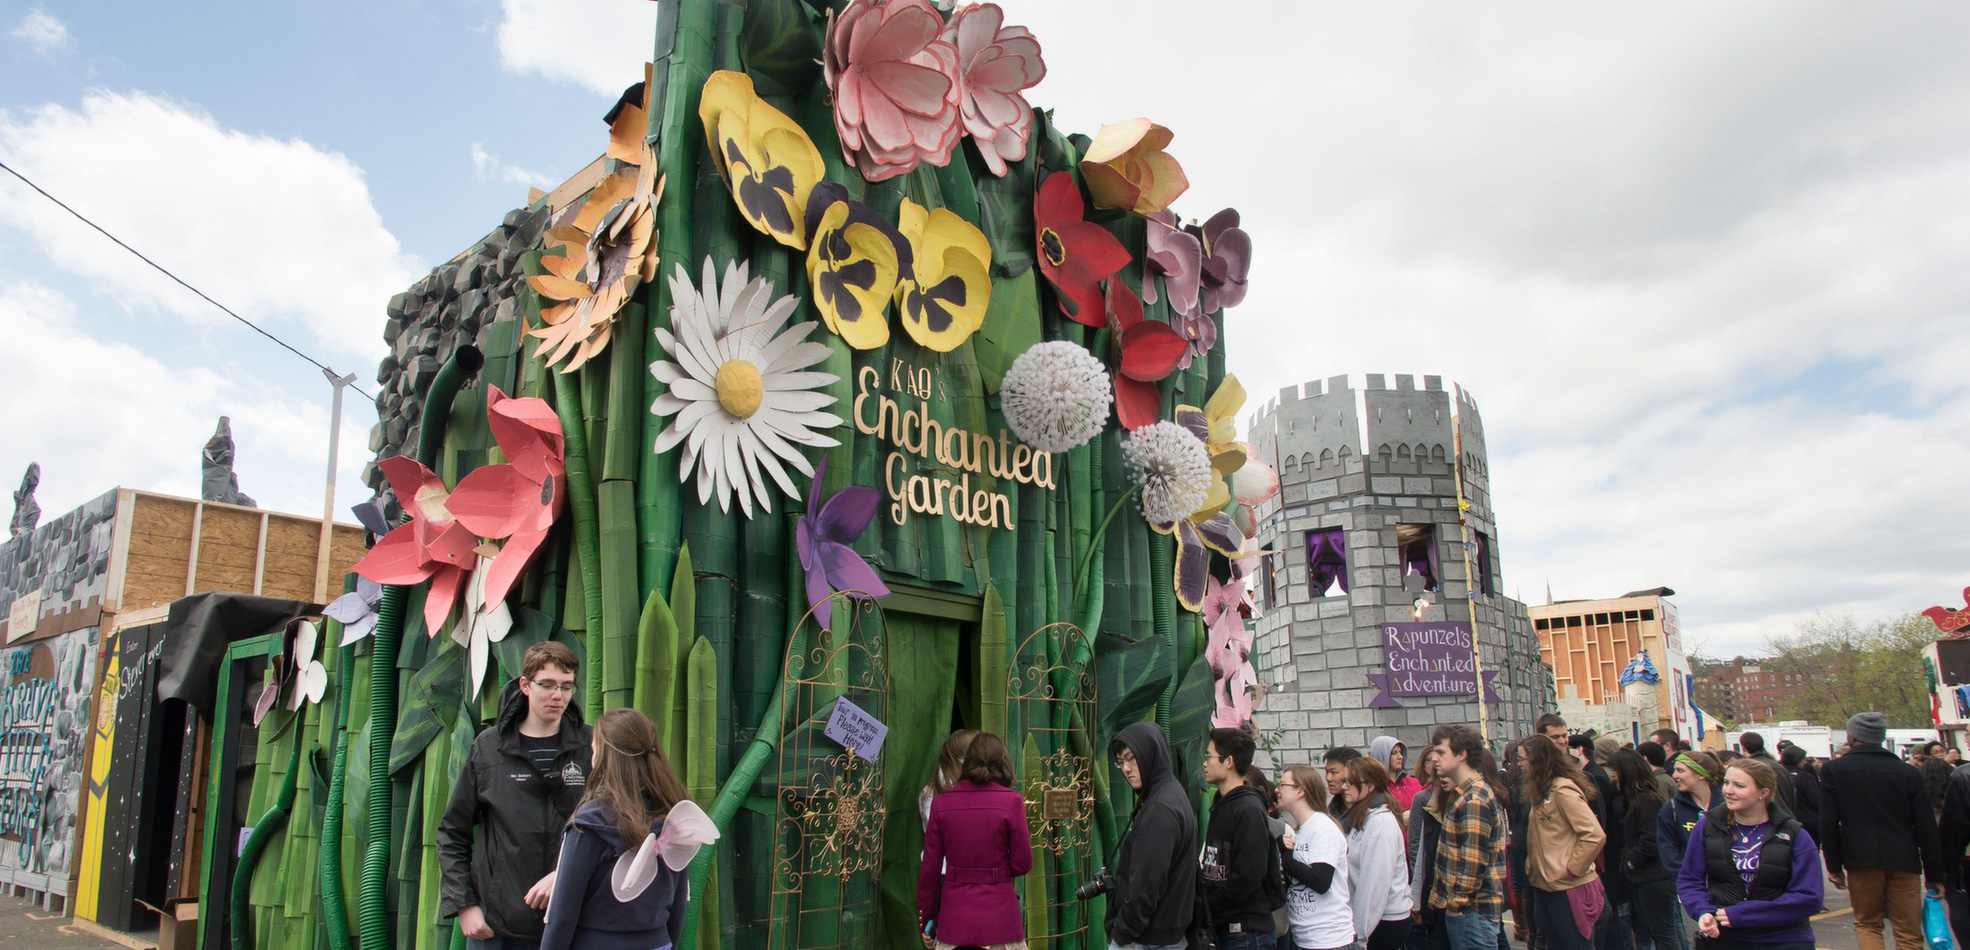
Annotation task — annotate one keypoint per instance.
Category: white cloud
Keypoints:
(490, 167)
(282, 232)
(1700, 265)
(600, 45)
(102, 413)
(42, 31)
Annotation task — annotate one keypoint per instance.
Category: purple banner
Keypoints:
(1428, 659)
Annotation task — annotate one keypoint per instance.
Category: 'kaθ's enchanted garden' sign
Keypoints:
(1428, 659)
(914, 432)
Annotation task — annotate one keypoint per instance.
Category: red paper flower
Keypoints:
(895, 85)
(1147, 351)
(520, 499)
(995, 64)
(1075, 256)
(431, 546)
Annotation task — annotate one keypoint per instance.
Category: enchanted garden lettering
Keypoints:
(914, 432)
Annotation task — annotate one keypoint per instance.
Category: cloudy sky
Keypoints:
(1703, 265)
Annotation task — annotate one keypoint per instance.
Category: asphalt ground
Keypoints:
(24, 926)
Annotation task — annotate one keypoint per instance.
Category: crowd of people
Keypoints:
(1591, 844)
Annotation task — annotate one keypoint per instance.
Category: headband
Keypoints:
(620, 751)
(1690, 763)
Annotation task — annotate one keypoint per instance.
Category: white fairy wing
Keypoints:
(635, 870)
(685, 830)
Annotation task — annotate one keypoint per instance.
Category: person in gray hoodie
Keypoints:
(1155, 867)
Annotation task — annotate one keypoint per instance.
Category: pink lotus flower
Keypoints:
(995, 63)
(432, 546)
(520, 499)
(895, 85)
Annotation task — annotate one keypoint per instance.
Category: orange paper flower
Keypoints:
(1126, 167)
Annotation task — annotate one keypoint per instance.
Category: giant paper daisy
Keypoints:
(741, 395)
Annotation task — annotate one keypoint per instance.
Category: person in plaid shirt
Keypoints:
(1468, 885)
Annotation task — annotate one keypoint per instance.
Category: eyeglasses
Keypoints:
(565, 689)
(1286, 785)
(1213, 756)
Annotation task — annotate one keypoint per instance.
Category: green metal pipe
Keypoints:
(372, 897)
(581, 501)
(335, 910)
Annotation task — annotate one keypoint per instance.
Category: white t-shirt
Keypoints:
(1320, 921)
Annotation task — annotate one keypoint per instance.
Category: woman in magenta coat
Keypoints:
(977, 837)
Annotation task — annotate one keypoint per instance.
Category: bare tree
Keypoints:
(1856, 666)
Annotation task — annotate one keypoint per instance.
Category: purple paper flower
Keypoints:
(824, 535)
(1227, 260)
(357, 610)
(1176, 254)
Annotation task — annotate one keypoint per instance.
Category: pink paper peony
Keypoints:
(895, 84)
(995, 64)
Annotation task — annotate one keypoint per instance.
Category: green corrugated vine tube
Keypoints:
(239, 906)
(372, 906)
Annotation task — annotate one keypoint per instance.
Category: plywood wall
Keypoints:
(242, 550)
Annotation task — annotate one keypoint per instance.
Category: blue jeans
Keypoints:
(1242, 941)
(1471, 930)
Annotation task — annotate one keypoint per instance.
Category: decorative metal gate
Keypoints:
(1050, 694)
(828, 832)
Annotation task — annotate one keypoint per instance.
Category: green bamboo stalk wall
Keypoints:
(684, 610)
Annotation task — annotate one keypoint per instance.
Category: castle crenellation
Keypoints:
(1380, 466)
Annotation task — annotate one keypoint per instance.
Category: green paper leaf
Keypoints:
(429, 706)
(1190, 725)
(1129, 677)
(1011, 327)
(782, 47)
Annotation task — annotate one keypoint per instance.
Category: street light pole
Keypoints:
(328, 493)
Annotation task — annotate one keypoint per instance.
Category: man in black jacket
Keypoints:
(521, 782)
(1955, 830)
(1156, 865)
(1238, 852)
(1880, 835)
(1805, 789)
(1753, 746)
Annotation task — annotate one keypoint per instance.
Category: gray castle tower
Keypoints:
(1366, 522)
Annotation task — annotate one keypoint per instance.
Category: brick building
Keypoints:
(1744, 690)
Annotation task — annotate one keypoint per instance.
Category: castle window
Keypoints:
(1326, 561)
(1266, 582)
(1483, 558)
(1292, 464)
(1417, 544)
(1327, 456)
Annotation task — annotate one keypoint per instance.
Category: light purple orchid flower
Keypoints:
(824, 536)
(357, 610)
(1227, 260)
(1176, 254)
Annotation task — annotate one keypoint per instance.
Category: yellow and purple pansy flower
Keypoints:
(943, 298)
(854, 260)
(768, 160)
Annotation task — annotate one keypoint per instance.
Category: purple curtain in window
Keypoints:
(1420, 556)
(1326, 560)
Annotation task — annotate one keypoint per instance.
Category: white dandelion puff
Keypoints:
(1173, 468)
(1056, 396)
(741, 396)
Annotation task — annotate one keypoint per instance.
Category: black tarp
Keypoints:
(200, 627)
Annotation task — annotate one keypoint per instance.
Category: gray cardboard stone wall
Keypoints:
(1318, 651)
(455, 304)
